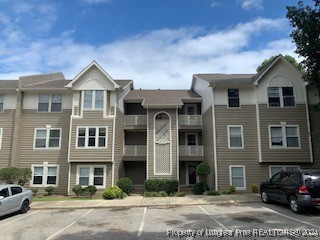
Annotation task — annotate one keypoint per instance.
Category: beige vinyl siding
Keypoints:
(248, 156)
(174, 143)
(207, 140)
(118, 146)
(291, 116)
(28, 156)
(7, 125)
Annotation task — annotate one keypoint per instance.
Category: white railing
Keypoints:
(191, 150)
(135, 150)
(190, 120)
(135, 120)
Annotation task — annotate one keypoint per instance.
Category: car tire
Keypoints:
(24, 207)
(264, 196)
(294, 205)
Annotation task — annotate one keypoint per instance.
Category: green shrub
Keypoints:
(78, 190)
(34, 191)
(211, 193)
(203, 170)
(162, 194)
(49, 190)
(113, 193)
(90, 190)
(157, 185)
(125, 184)
(200, 188)
(232, 188)
(151, 194)
(254, 188)
(225, 192)
(13, 175)
(179, 194)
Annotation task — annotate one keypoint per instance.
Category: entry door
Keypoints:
(192, 174)
(191, 109)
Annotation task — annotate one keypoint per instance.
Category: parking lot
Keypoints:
(247, 221)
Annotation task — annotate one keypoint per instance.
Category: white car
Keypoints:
(14, 198)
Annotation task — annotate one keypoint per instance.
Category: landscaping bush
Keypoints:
(179, 194)
(113, 193)
(162, 194)
(158, 185)
(49, 190)
(203, 170)
(211, 193)
(13, 175)
(232, 188)
(200, 188)
(151, 194)
(90, 190)
(78, 190)
(125, 184)
(254, 188)
(34, 191)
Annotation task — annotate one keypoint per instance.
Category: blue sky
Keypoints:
(157, 43)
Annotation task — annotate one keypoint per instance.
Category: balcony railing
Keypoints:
(135, 120)
(190, 120)
(191, 150)
(135, 150)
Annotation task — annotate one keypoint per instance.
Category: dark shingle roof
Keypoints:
(159, 98)
(8, 84)
(227, 78)
(54, 84)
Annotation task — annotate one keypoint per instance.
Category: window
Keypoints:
(92, 137)
(233, 98)
(91, 176)
(284, 137)
(4, 192)
(192, 139)
(1, 102)
(45, 175)
(281, 97)
(278, 168)
(235, 136)
(16, 190)
(237, 177)
(50, 103)
(93, 99)
(47, 138)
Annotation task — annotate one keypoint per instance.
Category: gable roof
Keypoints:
(124, 83)
(9, 84)
(95, 64)
(162, 98)
(226, 78)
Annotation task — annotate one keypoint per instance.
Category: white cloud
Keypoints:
(215, 3)
(97, 1)
(164, 58)
(251, 4)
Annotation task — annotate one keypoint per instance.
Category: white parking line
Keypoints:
(295, 219)
(27, 215)
(142, 222)
(215, 220)
(57, 233)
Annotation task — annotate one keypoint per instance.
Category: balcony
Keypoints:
(191, 151)
(135, 120)
(135, 150)
(190, 120)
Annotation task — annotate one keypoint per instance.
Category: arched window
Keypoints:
(280, 92)
(162, 133)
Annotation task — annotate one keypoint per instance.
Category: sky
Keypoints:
(159, 44)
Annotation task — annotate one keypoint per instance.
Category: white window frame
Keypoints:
(233, 97)
(284, 167)
(91, 175)
(284, 137)
(281, 97)
(47, 139)
(96, 137)
(93, 100)
(2, 110)
(45, 167)
(244, 176)
(242, 137)
(1, 133)
(50, 103)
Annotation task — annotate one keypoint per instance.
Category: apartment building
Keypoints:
(93, 129)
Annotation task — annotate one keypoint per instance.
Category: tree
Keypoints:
(203, 170)
(305, 21)
(288, 57)
(15, 175)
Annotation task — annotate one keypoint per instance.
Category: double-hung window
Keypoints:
(233, 98)
(1, 102)
(284, 136)
(281, 97)
(47, 138)
(91, 176)
(50, 103)
(92, 137)
(235, 136)
(278, 168)
(93, 99)
(45, 175)
(237, 174)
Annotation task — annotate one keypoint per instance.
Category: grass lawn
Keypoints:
(46, 198)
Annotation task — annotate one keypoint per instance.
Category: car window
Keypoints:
(293, 179)
(285, 177)
(4, 192)
(276, 177)
(16, 190)
(312, 180)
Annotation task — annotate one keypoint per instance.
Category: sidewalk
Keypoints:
(140, 201)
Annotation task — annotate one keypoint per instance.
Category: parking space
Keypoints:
(250, 221)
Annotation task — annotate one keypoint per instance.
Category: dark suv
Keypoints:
(298, 188)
